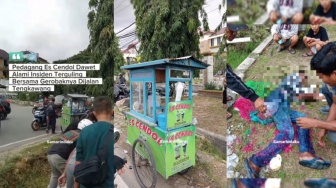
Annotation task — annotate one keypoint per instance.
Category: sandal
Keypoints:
(315, 182)
(280, 48)
(228, 115)
(250, 172)
(307, 54)
(316, 163)
(292, 51)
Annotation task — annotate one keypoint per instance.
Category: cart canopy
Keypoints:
(188, 61)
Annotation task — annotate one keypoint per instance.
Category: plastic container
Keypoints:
(272, 107)
(162, 121)
(179, 91)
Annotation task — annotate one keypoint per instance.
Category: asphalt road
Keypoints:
(16, 129)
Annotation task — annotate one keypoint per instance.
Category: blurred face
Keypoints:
(329, 80)
(230, 35)
(303, 78)
(315, 27)
(325, 3)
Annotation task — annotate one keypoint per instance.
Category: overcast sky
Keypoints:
(124, 16)
(56, 29)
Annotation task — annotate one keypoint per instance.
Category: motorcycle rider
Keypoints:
(51, 116)
(122, 80)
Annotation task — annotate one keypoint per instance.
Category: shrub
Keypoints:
(210, 85)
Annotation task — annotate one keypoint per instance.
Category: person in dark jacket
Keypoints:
(235, 83)
(58, 155)
(51, 116)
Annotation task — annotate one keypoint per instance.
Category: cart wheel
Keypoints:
(144, 164)
(185, 171)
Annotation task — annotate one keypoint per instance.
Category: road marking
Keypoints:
(43, 135)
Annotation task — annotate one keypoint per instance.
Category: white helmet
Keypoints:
(83, 123)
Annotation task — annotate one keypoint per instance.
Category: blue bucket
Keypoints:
(162, 119)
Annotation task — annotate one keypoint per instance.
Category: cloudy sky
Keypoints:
(124, 16)
(56, 29)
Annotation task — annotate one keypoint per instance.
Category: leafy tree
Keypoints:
(82, 57)
(103, 46)
(169, 29)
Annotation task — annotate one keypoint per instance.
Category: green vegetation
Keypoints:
(28, 168)
(212, 86)
(168, 29)
(206, 146)
(248, 10)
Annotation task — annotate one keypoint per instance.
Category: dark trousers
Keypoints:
(52, 124)
(224, 96)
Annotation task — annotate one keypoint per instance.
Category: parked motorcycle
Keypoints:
(120, 92)
(40, 119)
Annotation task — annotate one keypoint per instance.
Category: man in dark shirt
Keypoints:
(233, 82)
(315, 39)
(325, 13)
(57, 158)
(92, 138)
(122, 80)
(51, 116)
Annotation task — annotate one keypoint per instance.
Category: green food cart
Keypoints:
(160, 128)
(74, 108)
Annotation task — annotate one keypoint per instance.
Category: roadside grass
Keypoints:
(267, 68)
(206, 146)
(236, 57)
(28, 168)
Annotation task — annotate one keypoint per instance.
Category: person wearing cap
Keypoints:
(285, 11)
(67, 175)
(122, 80)
(233, 81)
(286, 35)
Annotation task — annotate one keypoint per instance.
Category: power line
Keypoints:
(118, 5)
(122, 9)
(127, 35)
(125, 28)
(129, 43)
(208, 4)
(212, 10)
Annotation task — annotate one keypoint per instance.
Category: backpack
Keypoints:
(71, 135)
(93, 172)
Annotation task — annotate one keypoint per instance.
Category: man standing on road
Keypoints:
(51, 117)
